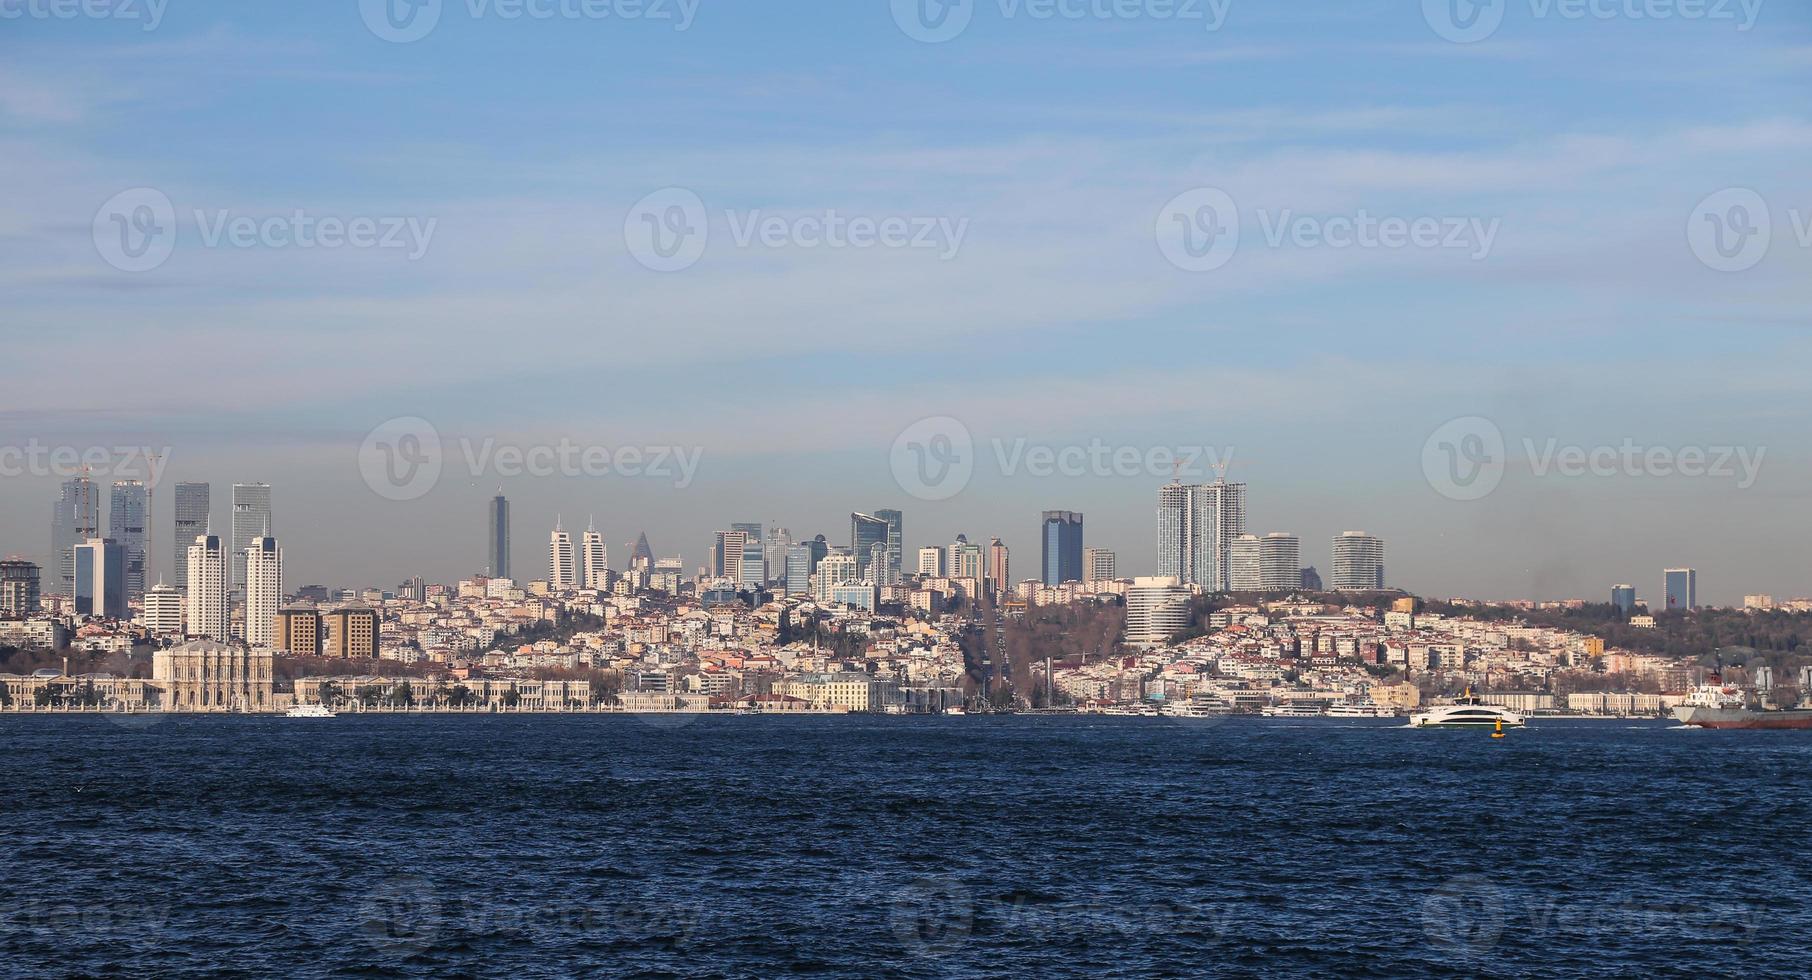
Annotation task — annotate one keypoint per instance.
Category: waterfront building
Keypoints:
(208, 675)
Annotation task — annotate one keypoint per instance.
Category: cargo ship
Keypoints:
(1720, 706)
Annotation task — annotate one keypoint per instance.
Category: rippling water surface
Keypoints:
(552, 845)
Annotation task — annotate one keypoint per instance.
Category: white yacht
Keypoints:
(309, 711)
(1467, 711)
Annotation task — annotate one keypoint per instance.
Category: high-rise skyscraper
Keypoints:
(1624, 598)
(642, 555)
(1000, 567)
(1245, 570)
(1196, 527)
(251, 515)
(127, 519)
(801, 562)
(1156, 608)
(206, 593)
(100, 578)
(1061, 534)
(1097, 565)
(75, 519)
(1358, 562)
(896, 542)
(263, 589)
(777, 543)
(192, 503)
(754, 569)
(1681, 586)
(20, 583)
(866, 531)
(931, 561)
(594, 558)
(1280, 562)
(497, 538)
(562, 563)
(727, 550)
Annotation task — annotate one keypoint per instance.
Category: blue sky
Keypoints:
(1587, 143)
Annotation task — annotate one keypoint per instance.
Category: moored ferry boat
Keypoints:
(1360, 709)
(1292, 711)
(1467, 711)
(1716, 705)
(309, 711)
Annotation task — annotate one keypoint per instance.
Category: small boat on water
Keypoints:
(1467, 711)
(309, 711)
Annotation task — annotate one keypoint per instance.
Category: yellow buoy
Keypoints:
(1498, 732)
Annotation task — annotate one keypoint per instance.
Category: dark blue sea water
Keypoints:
(556, 845)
